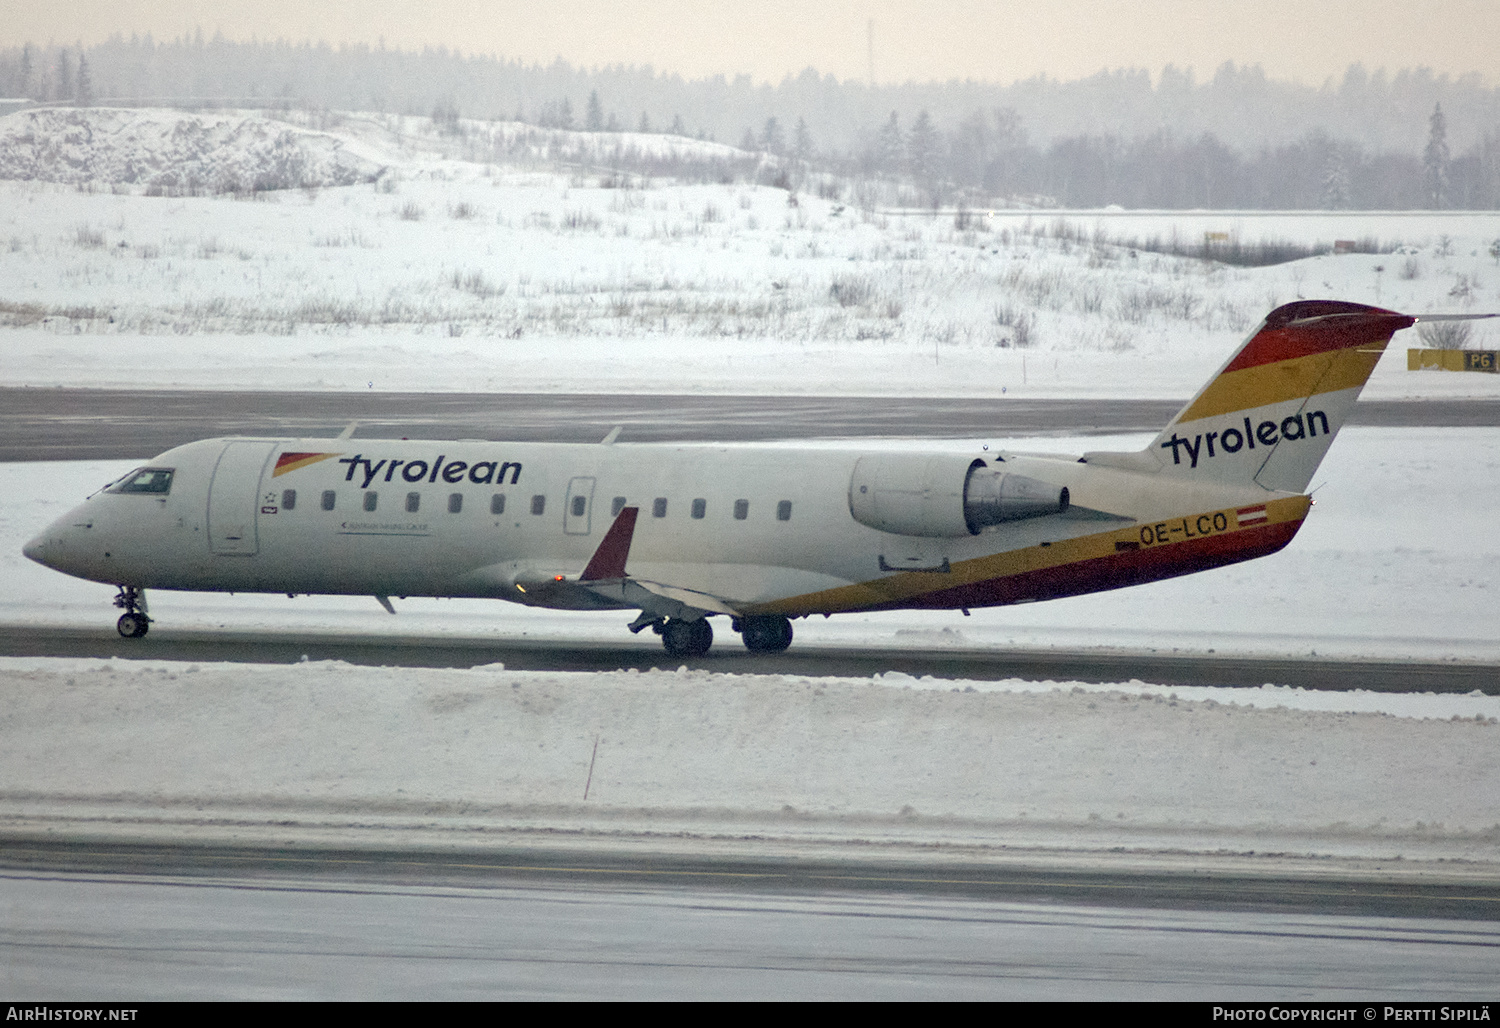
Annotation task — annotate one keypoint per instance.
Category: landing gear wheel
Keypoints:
(687, 638)
(766, 633)
(133, 623)
(133, 626)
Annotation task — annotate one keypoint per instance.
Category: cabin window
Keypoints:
(455, 502)
(497, 503)
(413, 502)
(288, 499)
(328, 497)
(616, 505)
(700, 507)
(784, 510)
(659, 507)
(146, 480)
(580, 504)
(741, 509)
(371, 498)
(538, 504)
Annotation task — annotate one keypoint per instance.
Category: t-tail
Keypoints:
(1273, 410)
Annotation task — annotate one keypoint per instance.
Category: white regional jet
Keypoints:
(759, 535)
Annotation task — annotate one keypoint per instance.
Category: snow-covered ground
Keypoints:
(905, 769)
(448, 274)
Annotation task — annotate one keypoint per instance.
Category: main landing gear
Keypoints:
(686, 638)
(765, 633)
(133, 623)
(762, 633)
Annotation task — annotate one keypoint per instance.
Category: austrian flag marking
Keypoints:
(292, 461)
(1251, 515)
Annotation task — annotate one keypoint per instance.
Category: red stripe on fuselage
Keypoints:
(1127, 567)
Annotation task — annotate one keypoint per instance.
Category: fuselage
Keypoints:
(764, 528)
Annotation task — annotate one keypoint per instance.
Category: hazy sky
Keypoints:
(998, 40)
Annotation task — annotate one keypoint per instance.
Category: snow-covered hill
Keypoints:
(496, 255)
(176, 152)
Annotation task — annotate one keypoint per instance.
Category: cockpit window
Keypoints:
(145, 480)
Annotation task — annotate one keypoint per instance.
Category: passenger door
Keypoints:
(233, 498)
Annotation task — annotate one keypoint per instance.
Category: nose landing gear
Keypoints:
(133, 623)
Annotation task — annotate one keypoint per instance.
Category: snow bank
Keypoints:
(174, 151)
(699, 760)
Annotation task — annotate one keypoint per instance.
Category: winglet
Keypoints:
(609, 559)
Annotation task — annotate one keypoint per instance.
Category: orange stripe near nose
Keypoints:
(292, 461)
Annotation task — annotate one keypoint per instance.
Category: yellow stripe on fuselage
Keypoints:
(912, 584)
(1291, 379)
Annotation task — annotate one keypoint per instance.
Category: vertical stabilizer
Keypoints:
(1272, 411)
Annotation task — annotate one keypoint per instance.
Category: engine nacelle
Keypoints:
(944, 496)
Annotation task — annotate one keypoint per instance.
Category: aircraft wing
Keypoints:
(605, 577)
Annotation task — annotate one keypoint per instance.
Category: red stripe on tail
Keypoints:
(1340, 326)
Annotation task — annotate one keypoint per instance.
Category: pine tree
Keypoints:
(802, 146)
(1336, 179)
(85, 80)
(924, 153)
(890, 147)
(678, 128)
(645, 125)
(772, 139)
(24, 87)
(1435, 160)
(64, 76)
(595, 116)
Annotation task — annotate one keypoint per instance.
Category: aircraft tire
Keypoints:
(766, 633)
(687, 638)
(132, 626)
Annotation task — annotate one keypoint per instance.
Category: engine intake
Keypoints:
(944, 496)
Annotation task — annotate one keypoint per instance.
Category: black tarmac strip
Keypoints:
(108, 424)
(729, 657)
(318, 869)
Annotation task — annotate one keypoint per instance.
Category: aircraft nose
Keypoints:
(37, 549)
(50, 548)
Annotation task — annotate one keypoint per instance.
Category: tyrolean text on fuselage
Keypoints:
(385, 469)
